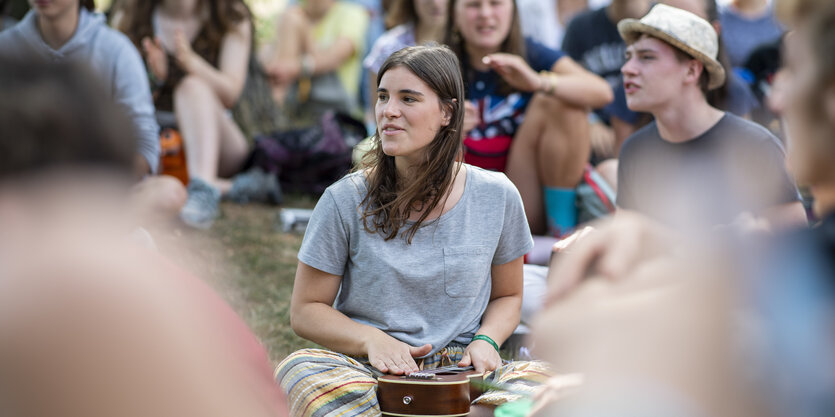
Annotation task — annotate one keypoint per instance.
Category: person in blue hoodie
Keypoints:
(71, 31)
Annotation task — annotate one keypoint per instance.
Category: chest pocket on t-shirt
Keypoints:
(466, 269)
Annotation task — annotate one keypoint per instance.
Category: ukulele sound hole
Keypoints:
(407, 399)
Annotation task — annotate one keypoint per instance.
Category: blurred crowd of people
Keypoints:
(209, 80)
(673, 162)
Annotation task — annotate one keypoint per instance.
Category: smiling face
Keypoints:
(484, 24)
(408, 114)
(653, 75)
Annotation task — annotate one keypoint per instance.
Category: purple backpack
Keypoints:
(308, 160)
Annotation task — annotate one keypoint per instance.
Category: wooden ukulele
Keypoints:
(442, 391)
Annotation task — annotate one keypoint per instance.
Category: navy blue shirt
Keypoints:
(487, 144)
(593, 40)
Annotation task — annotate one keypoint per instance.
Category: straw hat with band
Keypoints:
(683, 30)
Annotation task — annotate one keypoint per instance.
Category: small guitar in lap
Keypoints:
(444, 391)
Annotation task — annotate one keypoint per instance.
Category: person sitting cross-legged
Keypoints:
(412, 262)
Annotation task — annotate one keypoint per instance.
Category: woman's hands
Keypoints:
(482, 356)
(186, 56)
(514, 70)
(158, 60)
(155, 55)
(392, 356)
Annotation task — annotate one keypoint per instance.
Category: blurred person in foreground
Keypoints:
(636, 284)
(796, 291)
(94, 324)
(71, 31)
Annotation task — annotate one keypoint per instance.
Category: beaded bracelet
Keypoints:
(487, 339)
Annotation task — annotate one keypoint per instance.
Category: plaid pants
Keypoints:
(322, 383)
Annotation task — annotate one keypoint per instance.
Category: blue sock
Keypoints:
(560, 210)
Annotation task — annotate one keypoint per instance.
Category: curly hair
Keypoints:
(391, 199)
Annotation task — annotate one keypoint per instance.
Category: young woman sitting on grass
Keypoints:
(526, 109)
(412, 262)
(197, 52)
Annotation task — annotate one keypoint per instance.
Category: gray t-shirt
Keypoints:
(433, 290)
(736, 166)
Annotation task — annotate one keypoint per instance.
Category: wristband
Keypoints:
(487, 339)
(549, 79)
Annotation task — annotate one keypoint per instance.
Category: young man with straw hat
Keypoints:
(694, 166)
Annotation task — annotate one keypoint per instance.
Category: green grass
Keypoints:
(251, 263)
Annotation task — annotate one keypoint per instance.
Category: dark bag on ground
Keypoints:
(308, 160)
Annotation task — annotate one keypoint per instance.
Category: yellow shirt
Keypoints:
(350, 21)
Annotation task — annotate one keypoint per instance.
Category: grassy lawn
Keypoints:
(251, 263)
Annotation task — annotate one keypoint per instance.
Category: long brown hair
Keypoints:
(391, 199)
(514, 43)
(224, 15)
(402, 11)
(87, 4)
